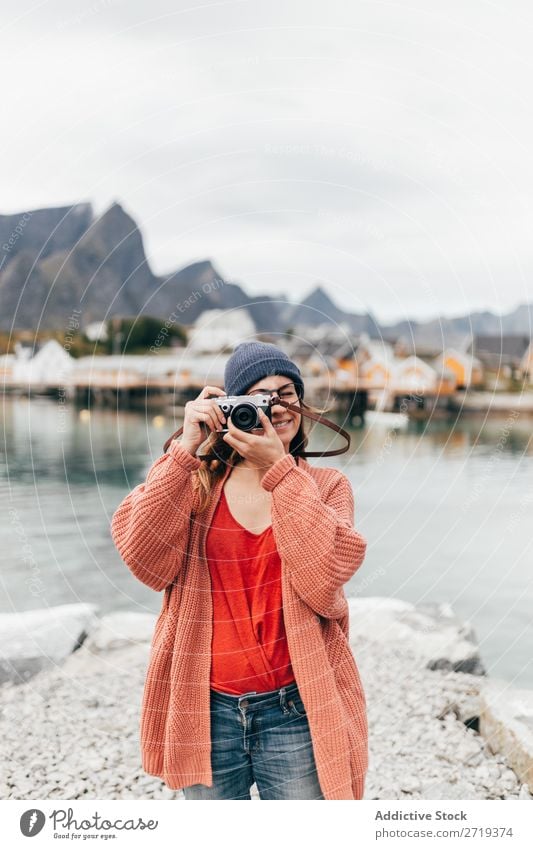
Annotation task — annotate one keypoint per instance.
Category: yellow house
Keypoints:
(374, 361)
(468, 370)
(350, 365)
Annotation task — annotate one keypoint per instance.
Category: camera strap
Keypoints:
(308, 414)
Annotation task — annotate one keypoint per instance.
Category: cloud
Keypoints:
(384, 150)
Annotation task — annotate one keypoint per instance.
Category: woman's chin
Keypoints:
(287, 438)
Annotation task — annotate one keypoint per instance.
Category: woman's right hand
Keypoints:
(201, 410)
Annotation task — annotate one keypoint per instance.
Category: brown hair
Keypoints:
(220, 455)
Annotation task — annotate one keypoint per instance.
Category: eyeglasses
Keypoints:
(287, 392)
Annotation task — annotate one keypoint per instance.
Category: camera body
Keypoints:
(243, 410)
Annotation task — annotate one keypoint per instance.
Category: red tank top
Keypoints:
(249, 650)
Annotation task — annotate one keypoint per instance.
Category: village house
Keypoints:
(218, 330)
(50, 363)
(467, 370)
(413, 374)
(6, 366)
(375, 361)
(324, 351)
(96, 331)
(406, 345)
(526, 363)
(502, 357)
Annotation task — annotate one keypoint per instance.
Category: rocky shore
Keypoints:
(440, 728)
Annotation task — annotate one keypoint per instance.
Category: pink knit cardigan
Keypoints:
(162, 541)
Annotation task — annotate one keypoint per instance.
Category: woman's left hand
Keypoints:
(261, 449)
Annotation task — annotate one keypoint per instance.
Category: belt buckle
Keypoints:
(243, 701)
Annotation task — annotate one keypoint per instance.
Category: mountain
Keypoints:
(96, 266)
(54, 261)
(42, 232)
(318, 308)
(439, 332)
(198, 287)
(60, 260)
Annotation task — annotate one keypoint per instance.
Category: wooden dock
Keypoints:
(125, 389)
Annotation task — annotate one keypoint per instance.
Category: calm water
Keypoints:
(446, 509)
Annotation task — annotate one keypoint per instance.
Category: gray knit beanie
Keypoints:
(250, 361)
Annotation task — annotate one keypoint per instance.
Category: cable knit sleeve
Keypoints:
(315, 537)
(150, 527)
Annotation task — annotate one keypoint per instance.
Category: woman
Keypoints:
(251, 677)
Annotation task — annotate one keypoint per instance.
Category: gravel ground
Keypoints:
(72, 733)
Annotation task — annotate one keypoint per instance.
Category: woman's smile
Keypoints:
(281, 426)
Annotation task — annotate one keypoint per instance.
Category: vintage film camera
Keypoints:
(242, 410)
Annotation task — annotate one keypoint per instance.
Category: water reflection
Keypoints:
(445, 507)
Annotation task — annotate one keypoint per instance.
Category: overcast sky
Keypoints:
(383, 149)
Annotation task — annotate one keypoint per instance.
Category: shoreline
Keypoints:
(460, 402)
(453, 732)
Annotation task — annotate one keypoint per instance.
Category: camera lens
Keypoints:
(244, 416)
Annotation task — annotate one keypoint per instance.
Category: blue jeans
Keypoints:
(261, 737)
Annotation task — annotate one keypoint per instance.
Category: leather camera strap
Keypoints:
(307, 413)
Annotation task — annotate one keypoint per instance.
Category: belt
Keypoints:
(253, 697)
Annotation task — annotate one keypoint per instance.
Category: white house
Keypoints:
(49, 364)
(413, 374)
(215, 330)
(96, 331)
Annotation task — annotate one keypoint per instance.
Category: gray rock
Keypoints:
(119, 630)
(506, 722)
(80, 723)
(430, 631)
(38, 639)
(449, 790)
